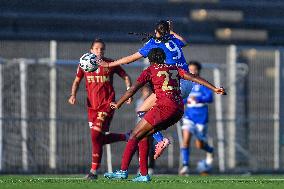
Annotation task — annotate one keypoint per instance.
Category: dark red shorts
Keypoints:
(161, 117)
(100, 119)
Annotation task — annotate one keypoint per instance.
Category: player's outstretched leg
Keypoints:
(115, 137)
(161, 146)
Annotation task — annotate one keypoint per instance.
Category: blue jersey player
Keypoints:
(195, 123)
(172, 44)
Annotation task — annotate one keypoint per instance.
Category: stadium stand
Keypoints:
(242, 22)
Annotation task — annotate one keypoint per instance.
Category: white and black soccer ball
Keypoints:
(88, 62)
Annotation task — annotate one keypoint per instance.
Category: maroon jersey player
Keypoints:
(166, 112)
(100, 92)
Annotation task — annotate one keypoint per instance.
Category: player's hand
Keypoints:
(129, 100)
(72, 99)
(113, 105)
(220, 90)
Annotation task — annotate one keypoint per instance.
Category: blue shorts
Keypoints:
(197, 129)
(185, 87)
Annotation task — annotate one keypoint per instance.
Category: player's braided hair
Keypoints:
(162, 27)
(157, 55)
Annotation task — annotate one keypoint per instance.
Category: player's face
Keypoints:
(98, 49)
(193, 69)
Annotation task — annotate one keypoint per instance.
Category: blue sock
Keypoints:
(158, 136)
(185, 152)
(208, 148)
(141, 114)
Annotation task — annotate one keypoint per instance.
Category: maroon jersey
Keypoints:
(165, 82)
(99, 85)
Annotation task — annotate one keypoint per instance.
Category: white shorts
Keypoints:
(198, 130)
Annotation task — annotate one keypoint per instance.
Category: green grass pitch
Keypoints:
(161, 181)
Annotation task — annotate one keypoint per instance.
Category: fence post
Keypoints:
(231, 74)
(1, 118)
(219, 122)
(24, 125)
(52, 106)
(276, 111)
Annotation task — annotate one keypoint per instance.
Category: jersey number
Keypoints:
(102, 116)
(175, 49)
(166, 86)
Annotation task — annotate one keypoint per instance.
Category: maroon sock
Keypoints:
(143, 156)
(113, 137)
(129, 151)
(97, 149)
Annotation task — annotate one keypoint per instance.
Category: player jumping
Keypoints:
(165, 80)
(172, 44)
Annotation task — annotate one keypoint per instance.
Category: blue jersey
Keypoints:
(172, 48)
(197, 110)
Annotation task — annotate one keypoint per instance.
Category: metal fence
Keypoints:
(41, 133)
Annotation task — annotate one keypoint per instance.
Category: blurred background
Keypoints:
(239, 42)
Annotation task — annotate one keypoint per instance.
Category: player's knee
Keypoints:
(134, 135)
(185, 143)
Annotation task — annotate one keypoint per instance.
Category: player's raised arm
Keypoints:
(129, 93)
(201, 81)
(124, 60)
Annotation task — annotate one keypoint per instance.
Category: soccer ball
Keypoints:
(88, 62)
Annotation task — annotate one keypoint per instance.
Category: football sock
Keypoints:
(158, 136)
(129, 151)
(208, 148)
(143, 156)
(113, 137)
(97, 149)
(209, 158)
(185, 156)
